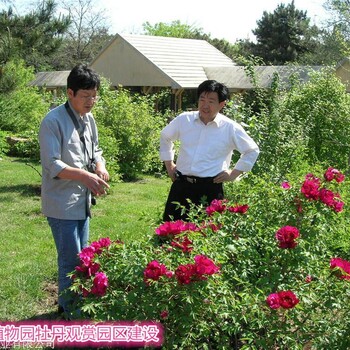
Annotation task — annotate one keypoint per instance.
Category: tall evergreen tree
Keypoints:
(284, 35)
(34, 37)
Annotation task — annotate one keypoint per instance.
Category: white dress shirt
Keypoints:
(206, 149)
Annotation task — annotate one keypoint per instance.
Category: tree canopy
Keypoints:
(36, 36)
(283, 36)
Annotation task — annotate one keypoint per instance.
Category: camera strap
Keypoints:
(81, 135)
(85, 151)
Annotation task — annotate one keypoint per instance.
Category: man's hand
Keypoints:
(101, 171)
(171, 169)
(92, 181)
(227, 175)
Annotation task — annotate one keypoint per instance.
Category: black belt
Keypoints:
(194, 179)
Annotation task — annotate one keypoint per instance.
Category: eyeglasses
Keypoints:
(88, 98)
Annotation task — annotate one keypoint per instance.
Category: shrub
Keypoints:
(22, 107)
(308, 122)
(255, 271)
(136, 128)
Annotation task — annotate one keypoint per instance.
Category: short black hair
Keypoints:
(214, 86)
(82, 77)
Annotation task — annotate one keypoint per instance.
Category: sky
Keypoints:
(224, 19)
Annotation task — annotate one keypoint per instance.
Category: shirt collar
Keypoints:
(216, 120)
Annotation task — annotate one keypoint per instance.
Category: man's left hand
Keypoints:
(227, 175)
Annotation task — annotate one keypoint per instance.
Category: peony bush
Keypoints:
(262, 269)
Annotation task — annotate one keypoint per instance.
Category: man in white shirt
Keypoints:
(207, 141)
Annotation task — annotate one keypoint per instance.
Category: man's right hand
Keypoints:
(92, 181)
(171, 169)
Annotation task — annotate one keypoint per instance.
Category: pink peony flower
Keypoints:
(88, 270)
(175, 227)
(204, 265)
(308, 278)
(331, 199)
(217, 205)
(334, 174)
(338, 206)
(285, 299)
(105, 242)
(342, 268)
(100, 284)
(86, 255)
(286, 236)
(154, 270)
(242, 209)
(285, 185)
(273, 301)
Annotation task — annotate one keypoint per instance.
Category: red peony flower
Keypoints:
(342, 266)
(338, 206)
(217, 205)
(100, 284)
(88, 270)
(334, 174)
(184, 273)
(241, 209)
(154, 270)
(185, 245)
(285, 299)
(326, 196)
(287, 236)
(310, 187)
(164, 314)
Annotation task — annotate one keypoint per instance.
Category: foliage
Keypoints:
(35, 36)
(135, 127)
(21, 106)
(4, 146)
(282, 36)
(322, 109)
(340, 16)
(174, 29)
(210, 281)
(306, 123)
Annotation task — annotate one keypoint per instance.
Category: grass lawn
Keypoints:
(28, 267)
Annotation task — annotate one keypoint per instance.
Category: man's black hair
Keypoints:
(214, 86)
(82, 77)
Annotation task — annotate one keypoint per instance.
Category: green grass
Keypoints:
(28, 267)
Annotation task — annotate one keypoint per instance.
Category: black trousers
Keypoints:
(197, 193)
